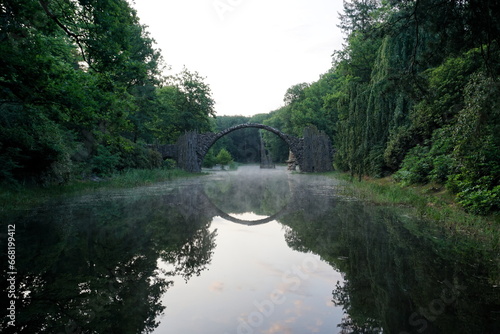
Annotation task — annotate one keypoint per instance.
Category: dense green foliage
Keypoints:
(413, 92)
(81, 92)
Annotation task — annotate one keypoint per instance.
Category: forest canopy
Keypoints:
(82, 92)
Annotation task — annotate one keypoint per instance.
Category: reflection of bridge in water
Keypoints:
(194, 202)
(226, 216)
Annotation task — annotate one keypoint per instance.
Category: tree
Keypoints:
(76, 75)
(224, 158)
(295, 93)
(184, 104)
(359, 15)
(195, 103)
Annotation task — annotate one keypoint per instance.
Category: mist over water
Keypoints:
(247, 251)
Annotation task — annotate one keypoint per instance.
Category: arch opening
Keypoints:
(209, 140)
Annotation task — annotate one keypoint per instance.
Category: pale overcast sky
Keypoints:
(249, 51)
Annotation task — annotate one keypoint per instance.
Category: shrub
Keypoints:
(442, 166)
(210, 159)
(169, 164)
(224, 157)
(416, 167)
(479, 200)
(104, 163)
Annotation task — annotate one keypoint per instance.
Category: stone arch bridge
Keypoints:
(313, 151)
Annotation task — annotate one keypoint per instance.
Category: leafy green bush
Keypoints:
(478, 196)
(224, 157)
(477, 147)
(104, 163)
(416, 167)
(479, 200)
(169, 164)
(432, 163)
(33, 148)
(441, 154)
(139, 157)
(123, 154)
(210, 159)
(233, 165)
(442, 166)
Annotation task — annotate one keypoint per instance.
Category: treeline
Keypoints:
(82, 92)
(414, 93)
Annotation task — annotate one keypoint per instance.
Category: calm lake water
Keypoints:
(251, 251)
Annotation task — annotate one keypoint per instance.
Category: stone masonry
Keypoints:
(313, 152)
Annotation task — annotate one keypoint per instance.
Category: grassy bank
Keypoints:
(429, 202)
(22, 197)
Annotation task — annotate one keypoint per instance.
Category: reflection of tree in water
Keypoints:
(401, 274)
(193, 256)
(92, 267)
(361, 323)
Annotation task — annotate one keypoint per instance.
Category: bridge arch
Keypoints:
(313, 152)
(288, 139)
(207, 140)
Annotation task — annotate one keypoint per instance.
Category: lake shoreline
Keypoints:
(427, 202)
(24, 197)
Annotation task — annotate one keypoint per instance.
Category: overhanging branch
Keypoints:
(68, 32)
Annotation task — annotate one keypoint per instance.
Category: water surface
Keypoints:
(252, 251)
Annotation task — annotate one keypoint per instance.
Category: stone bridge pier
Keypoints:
(313, 152)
